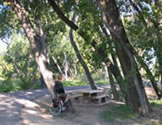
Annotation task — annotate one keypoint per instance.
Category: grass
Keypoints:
(156, 103)
(74, 83)
(118, 112)
(82, 83)
(123, 112)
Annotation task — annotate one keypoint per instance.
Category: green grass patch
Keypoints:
(82, 83)
(118, 112)
(156, 103)
(101, 82)
(74, 83)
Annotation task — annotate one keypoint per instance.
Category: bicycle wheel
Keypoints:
(55, 110)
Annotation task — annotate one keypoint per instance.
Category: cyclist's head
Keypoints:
(59, 77)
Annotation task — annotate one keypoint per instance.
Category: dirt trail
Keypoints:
(38, 114)
(22, 111)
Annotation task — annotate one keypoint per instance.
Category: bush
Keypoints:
(8, 86)
(16, 85)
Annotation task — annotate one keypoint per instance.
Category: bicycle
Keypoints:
(57, 106)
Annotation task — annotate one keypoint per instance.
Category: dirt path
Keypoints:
(38, 114)
(22, 111)
(84, 115)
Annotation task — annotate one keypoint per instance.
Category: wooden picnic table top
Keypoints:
(90, 91)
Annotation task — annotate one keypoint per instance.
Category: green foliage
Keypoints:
(18, 64)
(8, 22)
(118, 112)
(14, 85)
(143, 30)
(88, 20)
(6, 87)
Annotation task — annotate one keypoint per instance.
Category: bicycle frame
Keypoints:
(57, 106)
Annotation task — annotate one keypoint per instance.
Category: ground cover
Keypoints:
(113, 113)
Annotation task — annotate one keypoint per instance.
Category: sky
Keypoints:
(3, 47)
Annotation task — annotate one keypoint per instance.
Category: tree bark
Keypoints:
(104, 72)
(66, 66)
(71, 24)
(111, 19)
(35, 44)
(112, 84)
(149, 73)
(75, 68)
(58, 66)
(113, 67)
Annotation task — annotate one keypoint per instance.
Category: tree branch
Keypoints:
(62, 16)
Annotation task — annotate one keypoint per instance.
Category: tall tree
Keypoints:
(113, 87)
(73, 26)
(138, 7)
(111, 19)
(36, 43)
(82, 62)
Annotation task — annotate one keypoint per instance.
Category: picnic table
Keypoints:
(90, 93)
(90, 96)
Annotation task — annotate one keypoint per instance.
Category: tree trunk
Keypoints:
(66, 67)
(91, 82)
(111, 19)
(36, 44)
(148, 72)
(114, 67)
(114, 60)
(75, 68)
(150, 75)
(116, 73)
(104, 71)
(42, 83)
(58, 66)
(112, 84)
(158, 30)
(72, 25)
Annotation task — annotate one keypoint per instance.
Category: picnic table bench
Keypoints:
(99, 99)
(74, 95)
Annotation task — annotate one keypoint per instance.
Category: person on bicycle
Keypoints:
(59, 91)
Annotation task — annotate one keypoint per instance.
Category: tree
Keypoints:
(151, 35)
(23, 66)
(37, 44)
(73, 27)
(111, 19)
(80, 57)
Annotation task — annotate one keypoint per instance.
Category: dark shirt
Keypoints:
(58, 88)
